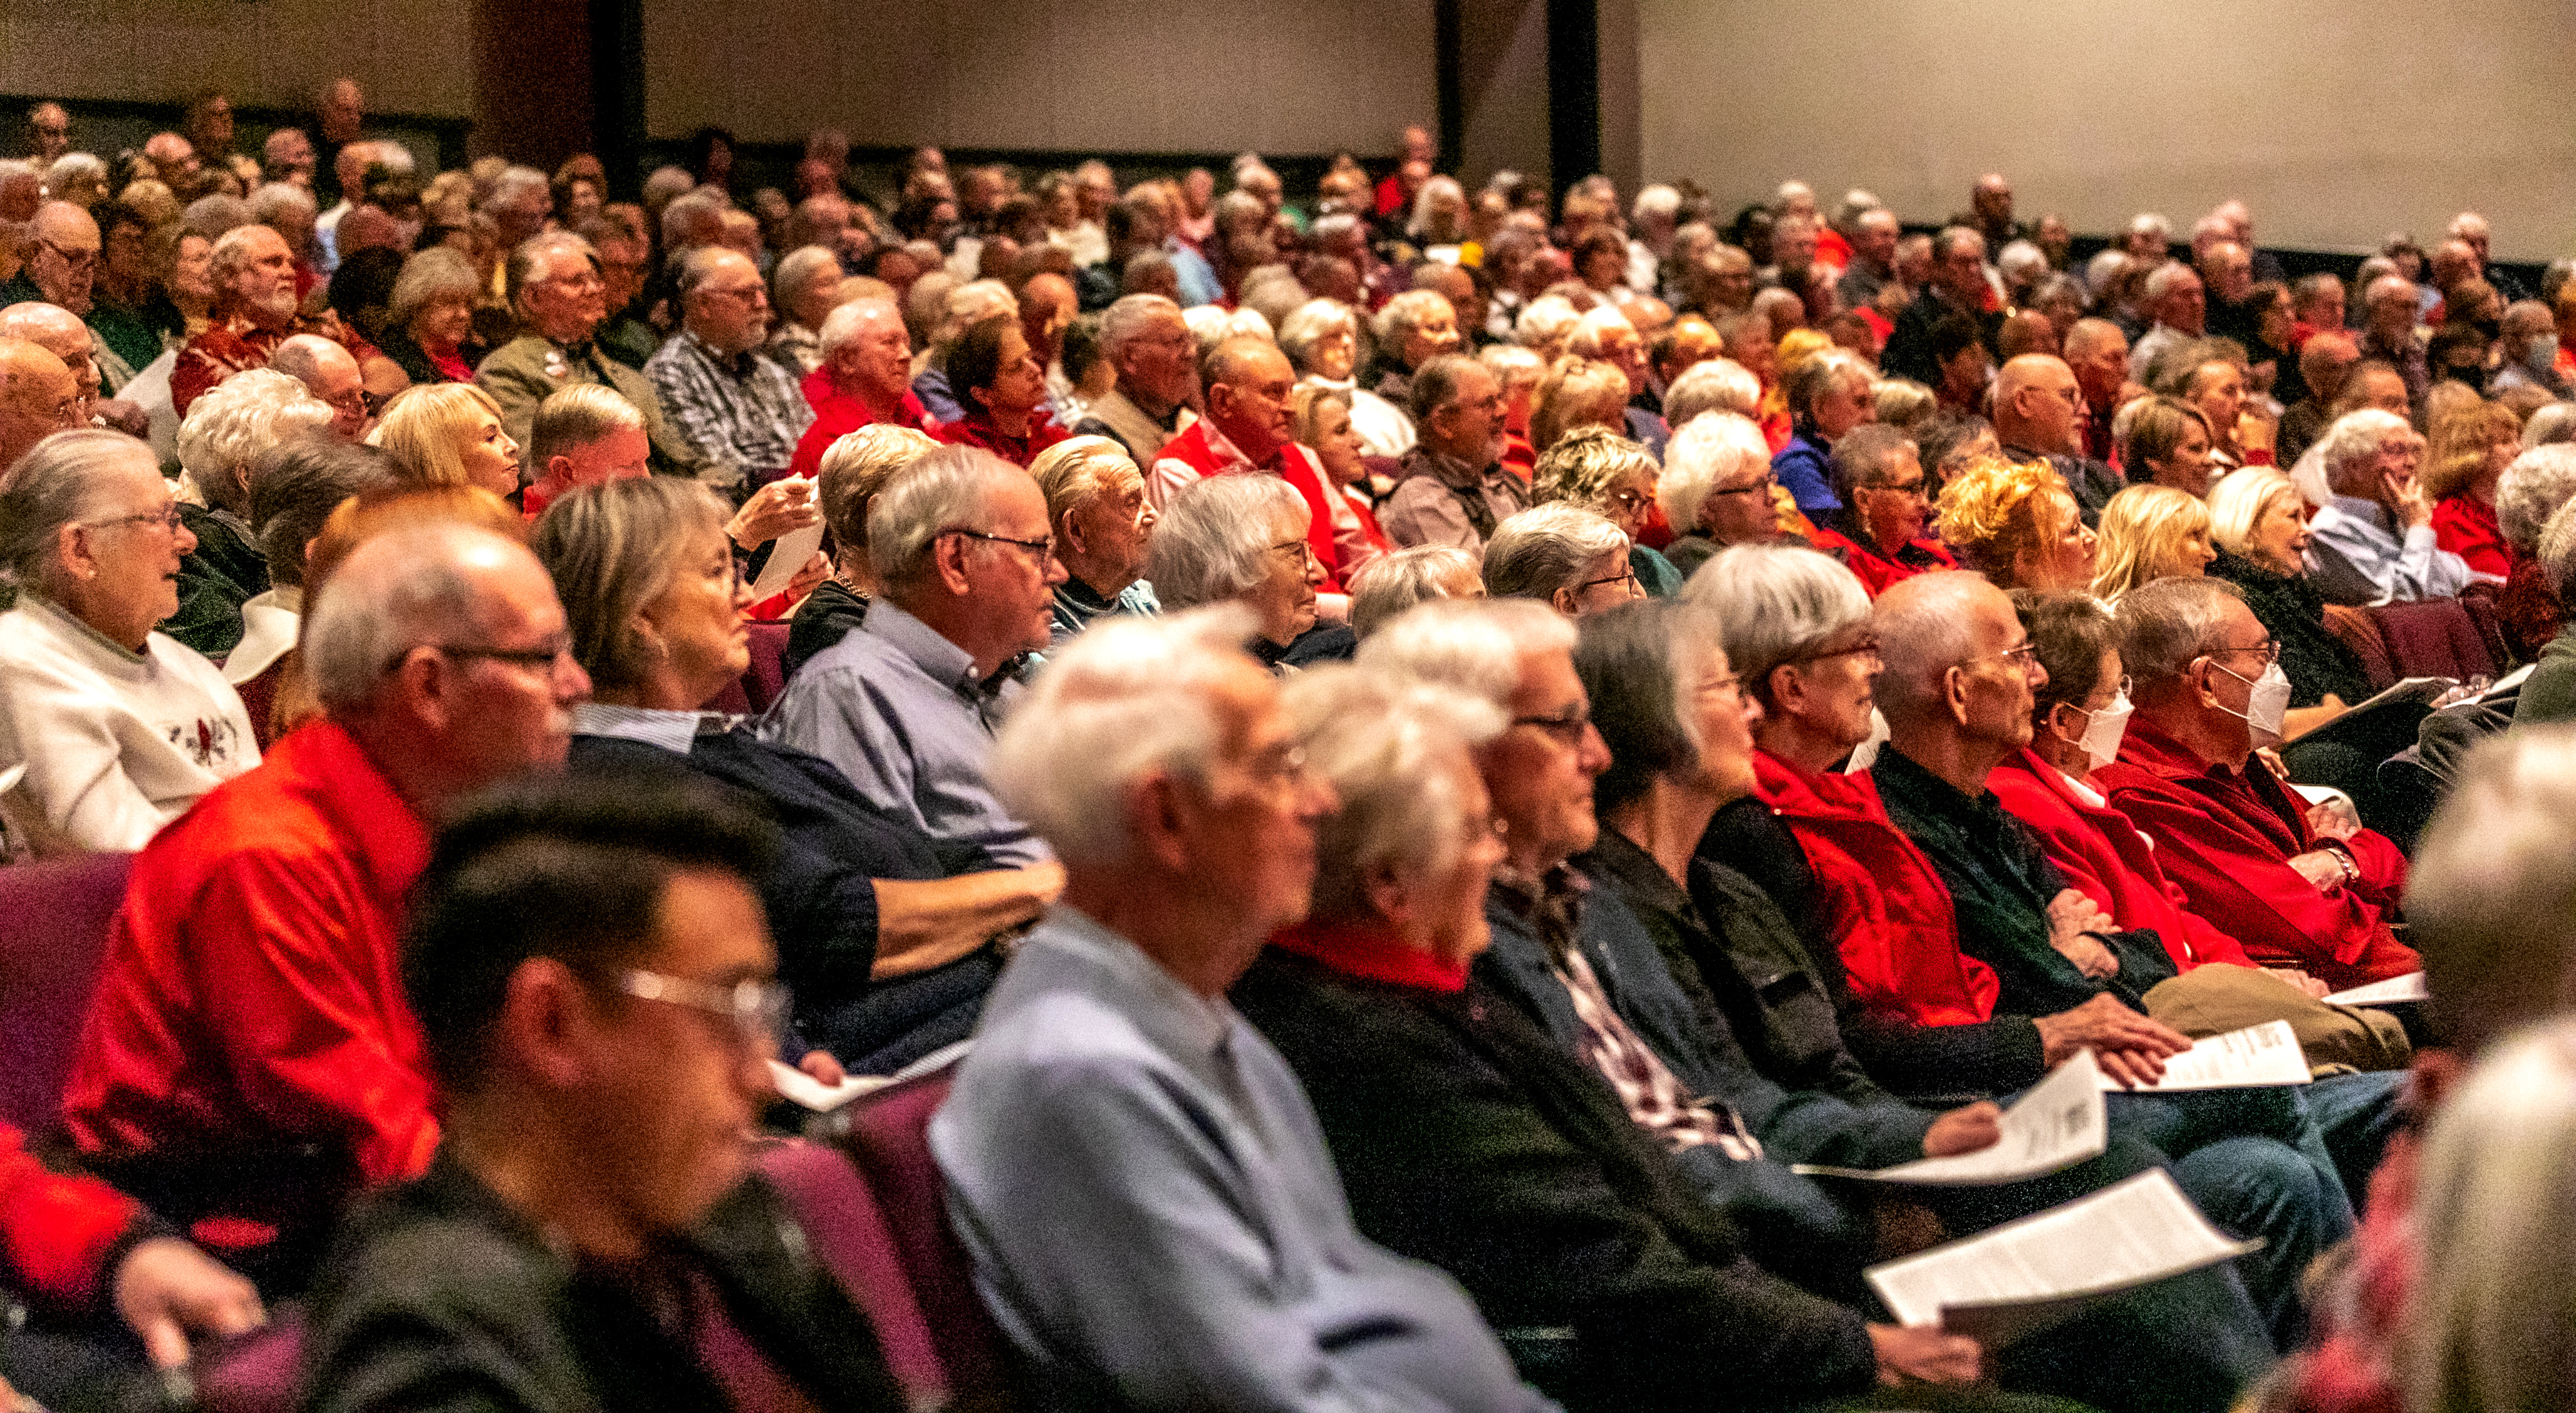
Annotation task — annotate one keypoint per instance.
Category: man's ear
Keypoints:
(948, 560)
(427, 682)
(1954, 693)
(1161, 819)
(548, 1023)
(1068, 534)
(1388, 895)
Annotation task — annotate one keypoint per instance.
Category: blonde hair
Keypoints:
(1584, 464)
(426, 429)
(1306, 410)
(2457, 449)
(2237, 501)
(853, 469)
(611, 549)
(2143, 529)
(1577, 391)
(1992, 513)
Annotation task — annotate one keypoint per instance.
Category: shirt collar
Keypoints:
(1450, 471)
(2368, 512)
(939, 659)
(72, 621)
(1168, 1012)
(673, 731)
(1372, 953)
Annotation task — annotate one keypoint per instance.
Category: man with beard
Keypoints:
(255, 311)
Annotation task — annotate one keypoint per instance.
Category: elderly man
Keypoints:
(350, 169)
(1136, 1172)
(2374, 542)
(62, 270)
(2178, 305)
(865, 379)
(255, 311)
(596, 991)
(246, 1053)
(38, 397)
(59, 332)
(1873, 260)
(735, 405)
(2470, 229)
(1878, 533)
(2388, 309)
(328, 372)
(2227, 277)
(906, 705)
(1452, 488)
(556, 287)
(582, 436)
(1096, 507)
(339, 111)
(2297, 885)
(2099, 354)
(288, 156)
(1248, 429)
(1957, 286)
(2326, 362)
(2039, 416)
(1145, 338)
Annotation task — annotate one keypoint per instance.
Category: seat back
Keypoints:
(2480, 601)
(258, 1373)
(53, 938)
(887, 1134)
(848, 1231)
(767, 676)
(2360, 632)
(2433, 638)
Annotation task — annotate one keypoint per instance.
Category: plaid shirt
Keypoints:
(743, 410)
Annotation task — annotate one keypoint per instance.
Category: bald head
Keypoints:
(1927, 625)
(64, 261)
(2037, 402)
(328, 372)
(38, 397)
(59, 332)
(1248, 382)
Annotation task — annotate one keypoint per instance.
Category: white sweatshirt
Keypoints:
(116, 744)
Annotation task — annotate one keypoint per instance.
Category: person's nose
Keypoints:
(1594, 755)
(572, 681)
(183, 540)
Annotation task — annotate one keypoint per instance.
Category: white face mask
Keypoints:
(2103, 731)
(2267, 707)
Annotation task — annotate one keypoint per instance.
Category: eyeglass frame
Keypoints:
(1043, 549)
(170, 520)
(545, 660)
(1765, 486)
(1869, 644)
(2270, 647)
(77, 261)
(757, 1007)
(1568, 730)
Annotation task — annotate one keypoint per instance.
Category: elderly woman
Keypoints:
(119, 728)
(999, 382)
(1096, 508)
(429, 321)
(2534, 486)
(1717, 489)
(449, 434)
(872, 936)
(959, 309)
(1384, 590)
(2373, 542)
(1878, 533)
(1319, 418)
(1594, 468)
(1321, 337)
(854, 467)
(2165, 441)
(1578, 392)
(805, 288)
(225, 433)
(1243, 539)
(2464, 461)
(1713, 385)
(2017, 524)
(2150, 532)
(1414, 328)
(1828, 394)
(2258, 524)
(295, 487)
(1570, 559)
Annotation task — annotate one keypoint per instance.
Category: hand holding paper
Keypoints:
(2060, 1122)
(2257, 1055)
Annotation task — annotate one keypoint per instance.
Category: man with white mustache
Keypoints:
(255, 310)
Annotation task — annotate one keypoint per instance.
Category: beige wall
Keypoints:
(1081, 75)
(413, 56)
(2337, 121)
(1502, 75)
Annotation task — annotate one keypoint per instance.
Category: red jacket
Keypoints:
(977, 429)
(2105, 857)
(56, 1231)
(1294, 464)
(1876, 571)
(2226, 838)
(237, 345)
(837, 414)
(250, 997)
(1876, 892)
(2467, 527)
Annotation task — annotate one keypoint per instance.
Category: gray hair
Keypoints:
(2162, 279)
(2557, 551)
(274, 200)
(1126, 318)
(2487, 1321)
(1079, 470)
(231, 423)
(396, 592)
(1713, 385)
(2554, 422)
(1860, 459)
(294, 487)
(214, 216)
(1390, 584)
(72, 167)
(1209, 544)
(1591, 326)
(527, 263)
(574, 417)
(795, 268)
(1394, 750)
(1311, 322)
(2355, 437)
(1547, 320)
(1704, 454)
(1544, 548)
(2534, 485)
(434, 274)
(515, 182)
(841, 327)
(1816, 376)
(2491, 897)
(1123, 700)
(948, 489)
(1774, 602)
(1470, 645)
(2164, 625)
(1405, 313)
(57, 483)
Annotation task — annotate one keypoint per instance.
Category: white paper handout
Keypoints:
(2409, 987)
(2260, 1054)
(786, 557)
(2058, 1123)
(799, 1087)
(2026, 1274)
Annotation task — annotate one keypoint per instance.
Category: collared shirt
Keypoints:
(673, 731)
(1149, 1205)
(1077, 603)
(741, 409)
(901, 711)
(1441, 500)
(2355, 556)
(797, 346)
(1143, 434)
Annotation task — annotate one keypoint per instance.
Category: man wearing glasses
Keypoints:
(908, 703)
(1878, 533)
(561, 300)
(247, 1054)
(734, 404)
(1452, 488)
(62, 270)
(2299, 886)
(597, 1000)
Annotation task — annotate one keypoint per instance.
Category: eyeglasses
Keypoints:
(1730, 683)
(1867, 645)
(1628, 500)
(746, 293)
(1044, 549)
(1298, 550)
(1911, 488)
(2270, 649)
(1627, 577)
(539, 659)
(1568, 728)
(78, 260)
(1762, 488)
(166, 519)
(2024, 657)
(758, 1009)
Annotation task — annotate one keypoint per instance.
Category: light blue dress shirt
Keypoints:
(1150, 1207)
(2355, 556)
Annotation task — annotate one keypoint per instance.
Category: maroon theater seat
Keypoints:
(849, 1232)
(53, 938)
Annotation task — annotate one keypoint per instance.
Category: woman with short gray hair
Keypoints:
(1776, 604)
(1383, 589)
(804, 289)
(1243, 539)
(1569, 559)
(1321, 337)
(227, 429)
(429, 319)
(120, 728)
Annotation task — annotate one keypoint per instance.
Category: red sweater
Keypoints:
(1876, 571)
(2225, 838)
(2105, 857)
(2467, 527)
(56, 1231)
(837, 414)
(1877, 893)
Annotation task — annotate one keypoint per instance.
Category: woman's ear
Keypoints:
(1388, 896)
(71, 550)
(1563, 602)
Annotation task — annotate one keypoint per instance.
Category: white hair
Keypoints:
(2104, 270)
(1394, 749)
(1549, 318)
(1406, 312)
(2162, 279)
(2021, 262)
(1538, 551)
(1470, 645)
(841, 327)
(2534, 485)
(274, 200)
(231, 423)
(72, 167)
(1773, 602)
(515, 182)
(1388, 585)
(1705, 453)
(1209, 544)
(2355, 437)
(1125, 699)
(1213, 324)
(948, 489)
(1312, 321)
(1656, 200)
(1712, 385)
(1591, 326)
(1126, 319)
